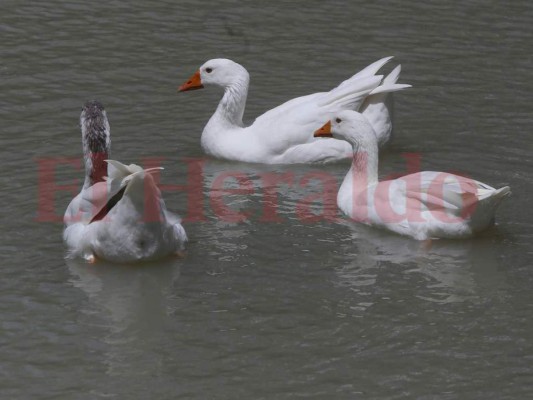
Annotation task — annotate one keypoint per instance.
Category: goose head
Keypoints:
(220, 72)
(96, 140)
(350, 126)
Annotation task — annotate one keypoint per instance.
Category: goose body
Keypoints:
(281, 135)
(119, 215)
(424, 205)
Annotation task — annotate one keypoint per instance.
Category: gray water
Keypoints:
(293, 308)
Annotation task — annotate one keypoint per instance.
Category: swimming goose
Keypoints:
(281, 135)
(119, 215)
(424, 205)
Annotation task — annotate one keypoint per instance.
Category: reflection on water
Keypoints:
(263, 194)
(131, 304)
(442, 271)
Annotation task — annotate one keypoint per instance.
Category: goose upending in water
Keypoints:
(119, 215)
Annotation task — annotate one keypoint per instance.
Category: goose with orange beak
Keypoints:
(281, 135)
(194, 83)
(425, 205)
(325, 131)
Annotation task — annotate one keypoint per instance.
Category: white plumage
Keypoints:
(424, 205)
(122, 217)
(281, 135)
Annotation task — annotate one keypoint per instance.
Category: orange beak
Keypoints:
(194, 82)
(325, 131)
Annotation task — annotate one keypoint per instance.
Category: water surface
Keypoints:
(286, 308)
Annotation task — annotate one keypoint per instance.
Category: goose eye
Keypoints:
(338, 120)
(209, 70)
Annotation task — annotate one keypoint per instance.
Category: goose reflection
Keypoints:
(441, 272)
(265, 193)
(130, 304)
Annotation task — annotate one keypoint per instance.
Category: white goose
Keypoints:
(122, 217)
(281, 135)
(425, 205)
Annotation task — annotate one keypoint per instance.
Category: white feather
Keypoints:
(424, 205)
(284, 134)
(122, 219)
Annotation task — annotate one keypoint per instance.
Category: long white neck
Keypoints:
(364, 167)
(362, 174)
(230, 110)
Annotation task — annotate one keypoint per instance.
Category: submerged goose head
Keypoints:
(220, 72)
(96, 140)
(350, 126)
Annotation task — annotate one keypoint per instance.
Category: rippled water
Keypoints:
(284, 308)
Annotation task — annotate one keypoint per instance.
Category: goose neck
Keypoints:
(230, 110)
(96, 149)
(364, 169)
